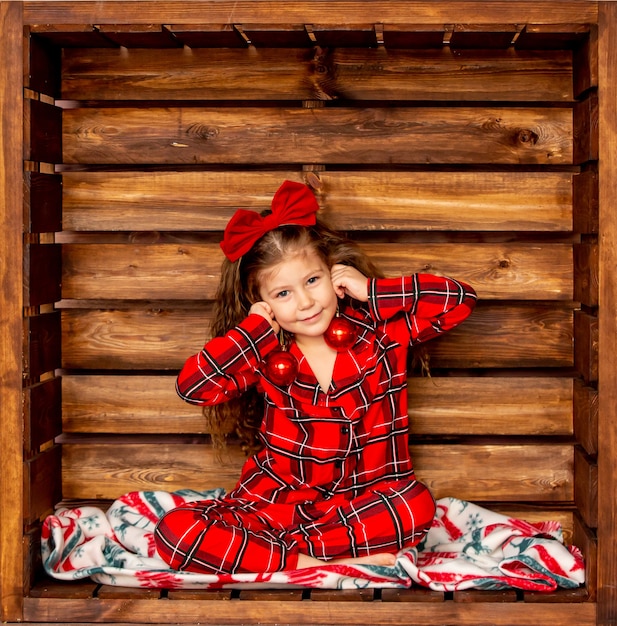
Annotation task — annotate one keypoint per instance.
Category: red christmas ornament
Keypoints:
(341, 334)
(281, 367)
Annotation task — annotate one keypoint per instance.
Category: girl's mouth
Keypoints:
(311, 319)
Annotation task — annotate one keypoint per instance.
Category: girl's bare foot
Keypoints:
(382, 558)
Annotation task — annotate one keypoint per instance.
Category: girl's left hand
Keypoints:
(347, 280)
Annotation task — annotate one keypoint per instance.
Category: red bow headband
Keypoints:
(293, 203)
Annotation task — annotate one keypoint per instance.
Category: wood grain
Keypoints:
(369, 200)
(607, 337)
(148, 404)
(396, 135)
(192, 272)
(490, 406)
(533, 335)
(419, 613)
(485, 472)
(11, 310)
(338, 15)
(304, 74)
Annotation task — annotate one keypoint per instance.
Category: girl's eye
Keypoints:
(282, 294)
(312, 279)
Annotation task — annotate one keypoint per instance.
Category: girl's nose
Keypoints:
(305, 300)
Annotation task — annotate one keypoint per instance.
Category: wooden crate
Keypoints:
(472, 139)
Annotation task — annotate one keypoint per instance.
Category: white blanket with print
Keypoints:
(467, 547)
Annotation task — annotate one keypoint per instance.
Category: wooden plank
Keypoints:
(45, 131)
(478, 595)
(42, 413)
(586, 341)
(587, 541)
(586, 271)
(276, 595)
(439, 406)
(192, 272)
(395, 201)
(11, 307)
(585, 63)
(43, 67)
(111, 591)
(50, 610)
(490, 406)
(495, 36)
(115, 469)
(607, 333)
(541, 336)
(498, 271)
(43, 485)
(586, 129)
(277, 36)
(329, 135)
(496, 472)
(335, 13)
(585, 201)
(127, 404)
(516, 335)
(358, 35)
(32, 558)
(586, 417)
(77, 35)
(43, 202)
(42, 273)
(486, 472)
(558, 36)
(63, 589)
(586, 487)
(412, 594)
(207, 35)
(301, 74)
(342, 595)
(139, 35)
(568, 597)
(42, 344)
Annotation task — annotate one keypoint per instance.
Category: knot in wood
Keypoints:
(504, 263)
(202, 131)
(527, 136)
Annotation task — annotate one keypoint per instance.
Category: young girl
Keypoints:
(333, 481)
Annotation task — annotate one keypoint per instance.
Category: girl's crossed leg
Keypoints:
(232, 537)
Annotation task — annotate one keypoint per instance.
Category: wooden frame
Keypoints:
(14, 15)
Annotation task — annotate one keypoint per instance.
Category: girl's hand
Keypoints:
(347, 280)
(264, 309)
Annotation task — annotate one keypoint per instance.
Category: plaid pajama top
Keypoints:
(354, 436)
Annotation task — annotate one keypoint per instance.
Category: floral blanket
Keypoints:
(467, 547)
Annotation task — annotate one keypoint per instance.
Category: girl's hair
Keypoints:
(239, 289)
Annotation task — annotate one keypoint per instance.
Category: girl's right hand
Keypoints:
(347, 280)
(264, 309)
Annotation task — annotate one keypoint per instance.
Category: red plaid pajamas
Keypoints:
(334, 478)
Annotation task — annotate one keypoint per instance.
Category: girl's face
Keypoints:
(300, 292)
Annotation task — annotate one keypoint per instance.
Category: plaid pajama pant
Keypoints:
(236, 535)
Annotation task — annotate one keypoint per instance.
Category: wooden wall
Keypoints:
(451, 160)
(468, 150)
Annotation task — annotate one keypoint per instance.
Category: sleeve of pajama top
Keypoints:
(226, 366)
(434, 304)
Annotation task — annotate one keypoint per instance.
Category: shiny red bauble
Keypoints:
(341, 334)
(281, 367)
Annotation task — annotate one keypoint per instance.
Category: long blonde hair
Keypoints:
(239, 289)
